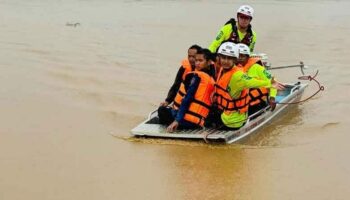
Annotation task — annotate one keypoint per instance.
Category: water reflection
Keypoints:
(282, 124)
(207, 173)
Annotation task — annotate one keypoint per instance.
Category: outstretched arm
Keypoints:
(241, 81)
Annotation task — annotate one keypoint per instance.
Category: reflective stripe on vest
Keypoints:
(248, 37)
(199, 108)
(256, 95)
(223, 98)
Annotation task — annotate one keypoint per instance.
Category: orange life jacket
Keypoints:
(256, 95)
(199, 108)
(223, 98)
(187, 66)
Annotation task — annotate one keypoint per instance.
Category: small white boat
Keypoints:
(150, 127)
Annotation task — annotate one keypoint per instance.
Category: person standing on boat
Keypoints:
(232, 89)
(259, 97)
(193, 100)
(239, 31)
(187, 65)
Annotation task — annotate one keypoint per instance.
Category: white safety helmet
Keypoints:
(228, 49)
(243, 49)
(246, 10)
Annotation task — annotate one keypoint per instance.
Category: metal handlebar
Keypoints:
(301, 65)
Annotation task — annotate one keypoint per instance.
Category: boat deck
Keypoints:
(151, 128)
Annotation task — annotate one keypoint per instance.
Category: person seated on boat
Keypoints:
(231, 89)
(259, 97)
(187, 65)
(193, 100)
(239, 31)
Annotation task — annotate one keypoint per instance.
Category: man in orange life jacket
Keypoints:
(193, 100)
(187, 65)
(239, 31)
(259, 97)
(232, 87)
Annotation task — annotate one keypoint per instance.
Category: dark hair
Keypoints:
(207, 54)
(196, 47)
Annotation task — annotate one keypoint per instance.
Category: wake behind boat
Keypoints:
(291, 93)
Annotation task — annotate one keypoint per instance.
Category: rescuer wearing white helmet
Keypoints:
(259, 97)
(232, 89)
(227, 55)
(239, 31)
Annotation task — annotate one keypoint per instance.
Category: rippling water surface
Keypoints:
(77, 75)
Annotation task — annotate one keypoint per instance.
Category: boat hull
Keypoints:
(293, 93)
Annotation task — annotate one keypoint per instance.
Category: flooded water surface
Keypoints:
(76, 76)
